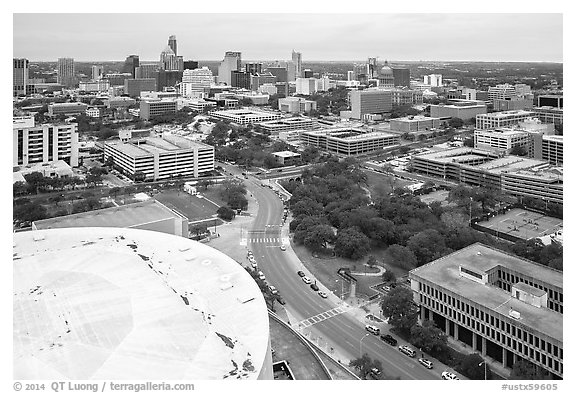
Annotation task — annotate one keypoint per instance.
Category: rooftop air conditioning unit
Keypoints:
(514, 314)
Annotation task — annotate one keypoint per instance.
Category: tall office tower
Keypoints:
(66, 74)
(240, 79)
(370, 102)
(281, 73)
(20, 76)
(146, 71)
(169, 61)
(232, 62)
(97, 72)
(291, 67)
(172, 44)
(401, 76)
(371, 71)
(307, 73)
(130, 65)
(350, 75)
(297, 60)
(197, 80)
(386, 76)
(253, 68)
(361, 72)
(190, 65)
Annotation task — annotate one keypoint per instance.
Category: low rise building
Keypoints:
(553, 100)
(549, 114)
(161, 157)
(502, 119)
(502, 139)
(48, 169)
(465, 110)
(290, 123)
(296, 105)
(152, 108)
(119, 102)
(93, 112)
(287, 157)
(67, 108)
(95, 85)
(244, 116)
(349, 141)
(503, 306)
(552, 149)
(414, 123)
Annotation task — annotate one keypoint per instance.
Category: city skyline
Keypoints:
(45, 37)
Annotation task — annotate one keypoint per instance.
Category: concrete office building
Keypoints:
(66, 72)
(117, 79)
(545, 183)
(555, 101)
(296, 105)
(190, 65)
(20, 77)
(369, 102)
(146, 71)
(149, 215)
(130, 304)
(97, 72)
(268, 88)
(93, 112)
(288, 124)
(257, 80)
(305, 86)
(502, 119)
(549, 114)
(281, 73)
(401, 77)
(349, 141)
(297, 62)
(386, 76)
(505, 307)
(514, 103)
(133, 87)
(406, 96)
(465, 111)
(502, 140)
(173, 44)
(463, 93)
(244, 116)
(507, 91)
(119, 102)
(232, 62)
(168, 79)
(130, 64)
(253, 68)
(241, 79)
(152, 108)
(101, 85)
(197, 80)
(414, 123)
(552, 149)
(199, 106)
(433, 80)
(169, 61)
(287, 158)
(161, 157)
(44, 143)
(66, 108)
(55, 169)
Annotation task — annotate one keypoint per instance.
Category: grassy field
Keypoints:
(383, 184)
(192, 207)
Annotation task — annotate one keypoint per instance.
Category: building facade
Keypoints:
(349, 141)
(288, 124)
(401, 77)
(152, 108)
(305, 86)
(549, 114)
(66, 72)
(133, 87)
(370, 102)
(66, 108)
(414, 123)
(555, 101)
(465, 112)
(130, 64)
(101, 85)
(97, 72)
(502, 139)
(502, 119)
(433, 80)
(45, 143)
(20, 75)
(161, 157)
(232, 62)
(504, 307)
(297, 61)
(296, 105)
(244, 116)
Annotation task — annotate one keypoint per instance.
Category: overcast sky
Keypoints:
(481, 37)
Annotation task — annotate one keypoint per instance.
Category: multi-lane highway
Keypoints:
(280, 268)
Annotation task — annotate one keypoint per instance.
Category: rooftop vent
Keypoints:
(514, 314)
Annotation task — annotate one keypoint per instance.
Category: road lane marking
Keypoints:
(324, 316)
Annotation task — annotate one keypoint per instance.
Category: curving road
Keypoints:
(280, 269)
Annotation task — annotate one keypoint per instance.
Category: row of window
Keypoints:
(512, 278)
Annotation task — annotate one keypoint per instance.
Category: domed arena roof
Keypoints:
(386, 69)
(117, 303)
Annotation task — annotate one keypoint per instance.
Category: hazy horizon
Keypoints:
(319, 37)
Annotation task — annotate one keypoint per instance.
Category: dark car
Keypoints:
(314, 287)
(389, 339)
(280, 300)
(301, 273)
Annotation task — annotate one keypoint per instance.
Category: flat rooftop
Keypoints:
(411, 119)
(102, 303)
(147, 145)
(510, 164)
(244, 113)
(445, 273)
(126, 216)
(350, 134)
(504, 114)
(286, 154)
(501, 131)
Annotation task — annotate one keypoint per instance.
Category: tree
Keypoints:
(351, 243)
(529, 249)
(427, 245)
(318, 237)
(428, 337)
(28, 212)
(19, 188)
(204, 183)
(455, 122)
(400, 309)
(114, 191)
(139, 176)
(524, 369)
(36, 181)
(388, 276)
(472, 366)
(372, 261)
(469, 142)
(402, 256)
(225, 213)
(199, 228)
(362, 364)
(550, 252)
(556, 264)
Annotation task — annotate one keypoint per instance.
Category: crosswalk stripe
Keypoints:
(324, 316)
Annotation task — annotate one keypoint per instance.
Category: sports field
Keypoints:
(191, 206)
(523, 224)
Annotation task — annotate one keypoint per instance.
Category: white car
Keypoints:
(261, 276)
(306, 280)
(323, 294)
(283, 247)
(254, 264)
(426, 363)
(273, 289)
(449, 375)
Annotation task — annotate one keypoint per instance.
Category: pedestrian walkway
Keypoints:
(324, 316)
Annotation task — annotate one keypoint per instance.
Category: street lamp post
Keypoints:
(485, 371)
(366, 335)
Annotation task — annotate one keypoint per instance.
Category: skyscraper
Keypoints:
(232, 62)
(371, 70)
(20, 76)
(168, 60)
(97, 72)
(66, 72)
(401, 76)
(297, 60)
(254, 68)
(130, 65)
(146, 71)
(172, 44)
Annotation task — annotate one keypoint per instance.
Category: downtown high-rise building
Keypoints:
(130, 65)
(197, 80)
(169, 60)
(146, 71)
(253, 68)
(172, 44)
(20, 77)
(66, 71)
(97, 72)
(371, 68)
(232, 62)
(297, 60)
(401, 76)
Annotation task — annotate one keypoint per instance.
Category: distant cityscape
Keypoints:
(356, 216)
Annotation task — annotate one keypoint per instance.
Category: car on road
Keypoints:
(389, 339)
(254, 264)
(301, 273)
(283, 247)
(323, 294)
(273, 289)
(448, 375)
(280, 300)
(261, 276)
(406, 350)
(373, 329)
(314, 287)
(306, 280)
(375, 371)
(426, 363)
